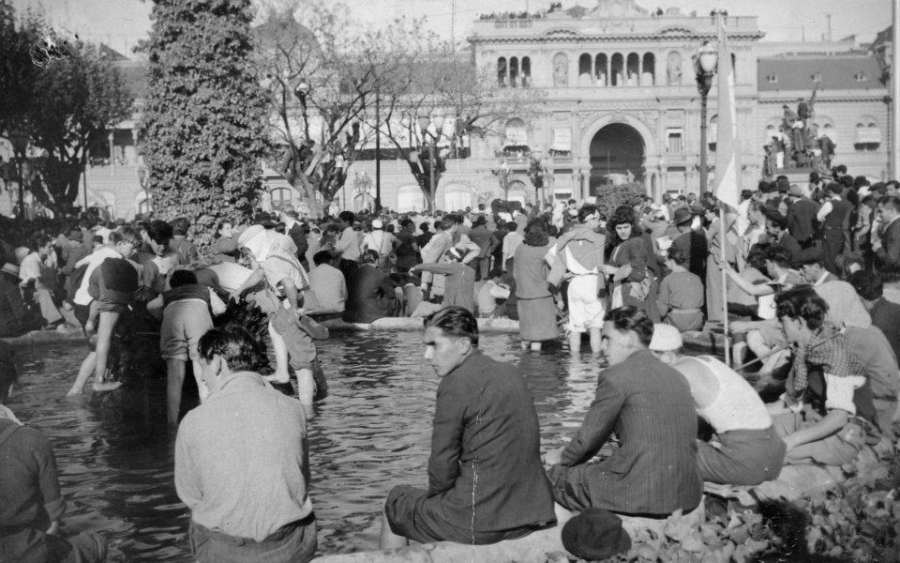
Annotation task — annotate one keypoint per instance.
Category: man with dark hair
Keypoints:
(485, 479)
(887, 249)
(776, 228)
(348, 243)
(649, 406)
(161, 259)
(241, 461)
(328, 284)
(826, 409)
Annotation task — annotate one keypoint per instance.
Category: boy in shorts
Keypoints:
(110, 287)
(188, 308)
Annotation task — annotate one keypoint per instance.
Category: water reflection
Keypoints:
(371, 433)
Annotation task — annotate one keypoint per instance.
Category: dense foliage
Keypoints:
(62, 95)
(203, 125)
(611, 197)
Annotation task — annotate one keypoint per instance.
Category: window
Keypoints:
(601, 70)
(584, 70)
(633, 70)
(526, 72)
(860, 77)
(516, 133)
(501, 72)
(617, 72)
(280, 197)
(674, 140)
(562, 139)
(817, 77)
(648, 77)
(772, 79)
(513, 71)
(868, 137)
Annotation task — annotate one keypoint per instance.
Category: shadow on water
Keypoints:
(371, 433)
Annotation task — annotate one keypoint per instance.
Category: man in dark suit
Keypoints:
(887, 252)
(648, 405)
(801, 217)
(485, 479)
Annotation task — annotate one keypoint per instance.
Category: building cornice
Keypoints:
(613, 38)
(790, 97)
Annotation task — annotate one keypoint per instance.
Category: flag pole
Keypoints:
(722, 234)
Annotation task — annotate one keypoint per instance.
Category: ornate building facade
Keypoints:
(622, 103)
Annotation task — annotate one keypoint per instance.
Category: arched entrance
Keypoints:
(617, 156)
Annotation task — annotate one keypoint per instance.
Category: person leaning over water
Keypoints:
(485, 480)
(248, 496)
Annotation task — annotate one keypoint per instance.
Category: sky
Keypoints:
(122, 23)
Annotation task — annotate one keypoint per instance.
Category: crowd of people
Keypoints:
(810, 280)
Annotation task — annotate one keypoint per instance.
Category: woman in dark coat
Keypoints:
(536, 307)
(640, 288)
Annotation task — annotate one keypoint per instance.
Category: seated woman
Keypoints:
(826, 411)
(681, 294)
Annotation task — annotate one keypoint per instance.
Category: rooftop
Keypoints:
(848, 71)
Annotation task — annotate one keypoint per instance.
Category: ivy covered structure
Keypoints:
(203, 121)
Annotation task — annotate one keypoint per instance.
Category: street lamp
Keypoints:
(705, 62)
(19, 140)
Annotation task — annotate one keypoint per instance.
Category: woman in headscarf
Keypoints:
(536, 308)
(640, 287)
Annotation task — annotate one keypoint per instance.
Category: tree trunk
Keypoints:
(62, 179)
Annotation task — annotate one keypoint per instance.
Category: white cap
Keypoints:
(665, 338)
(377, 224)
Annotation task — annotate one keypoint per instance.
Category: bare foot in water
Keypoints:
(103, 386)
(278, 377)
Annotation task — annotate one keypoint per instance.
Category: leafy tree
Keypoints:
(62, 94)
(611, 197)
(466, 101)
(203, 124)
(74, 101)
(323, 84)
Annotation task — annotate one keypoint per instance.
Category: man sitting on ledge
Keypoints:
(485, 480)
(826, 411)
(747, 450)
(649, 406)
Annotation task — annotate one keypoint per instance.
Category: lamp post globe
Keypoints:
(705, 63)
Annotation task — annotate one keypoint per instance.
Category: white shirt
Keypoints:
(82, 296)
(826, 208)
